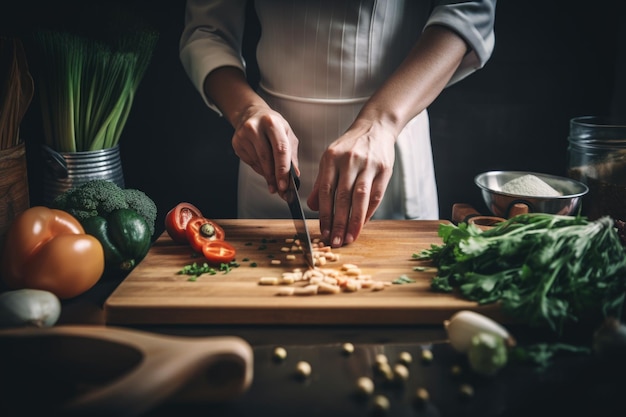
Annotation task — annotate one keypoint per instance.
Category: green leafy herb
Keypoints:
(541, 355)
(195, 270)
(544, 269)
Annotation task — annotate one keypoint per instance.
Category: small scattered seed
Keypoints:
(268, 281)
(405, 358)
(347, 348)
(401, 372)
(280, 353)
(427, 355)
(285, 291)
(365, 386)
(303, 369)
(307, 290)
(381, 404)
(381, 358)
(422, 396)
(384, 369)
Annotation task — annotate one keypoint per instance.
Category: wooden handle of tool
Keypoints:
(462, 212)
(163, 366)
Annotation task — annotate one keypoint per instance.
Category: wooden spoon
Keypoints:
(128, 371)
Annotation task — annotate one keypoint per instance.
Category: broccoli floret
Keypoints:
(144, 206)
(93, 198)
(101, 197)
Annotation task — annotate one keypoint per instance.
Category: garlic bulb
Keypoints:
(29, 307)
(465, 324)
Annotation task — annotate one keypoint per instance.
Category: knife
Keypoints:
(297, 214)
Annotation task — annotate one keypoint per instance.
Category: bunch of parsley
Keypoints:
(544, 269)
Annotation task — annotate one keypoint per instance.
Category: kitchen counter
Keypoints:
(573, 385)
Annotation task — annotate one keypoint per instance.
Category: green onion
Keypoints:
(87, 87)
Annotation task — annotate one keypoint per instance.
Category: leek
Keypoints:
(87, 87)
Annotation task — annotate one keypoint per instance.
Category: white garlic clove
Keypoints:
(465, 324)
(29, 307)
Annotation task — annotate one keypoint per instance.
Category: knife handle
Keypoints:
(296, 179)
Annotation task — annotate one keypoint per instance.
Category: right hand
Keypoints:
(264, 140)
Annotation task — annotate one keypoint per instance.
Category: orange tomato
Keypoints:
(47, 249)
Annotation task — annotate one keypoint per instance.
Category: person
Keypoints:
(343, 94)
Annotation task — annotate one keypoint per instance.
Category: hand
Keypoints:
(264, 140)
(353, 175)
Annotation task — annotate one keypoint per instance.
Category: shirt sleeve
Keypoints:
(474, 22)
(211, 38)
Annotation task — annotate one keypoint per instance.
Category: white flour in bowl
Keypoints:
(529, 185)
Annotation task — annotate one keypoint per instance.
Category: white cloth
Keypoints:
(319, 61)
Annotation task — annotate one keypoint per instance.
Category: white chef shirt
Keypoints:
(319, 61)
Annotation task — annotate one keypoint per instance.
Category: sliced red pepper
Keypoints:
(177, 218)
(218, 252)
(201, 230)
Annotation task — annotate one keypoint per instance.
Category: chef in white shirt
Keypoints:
(343, 93)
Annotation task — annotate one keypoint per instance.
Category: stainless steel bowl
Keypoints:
(501, 203)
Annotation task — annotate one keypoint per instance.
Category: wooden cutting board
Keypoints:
(154, 292)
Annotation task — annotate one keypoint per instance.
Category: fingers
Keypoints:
(346, 200)
(264, 141)
(352, 179)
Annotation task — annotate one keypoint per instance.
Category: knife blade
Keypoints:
(297, 214)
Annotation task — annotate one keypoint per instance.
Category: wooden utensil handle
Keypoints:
(462, 212)
(167, 365)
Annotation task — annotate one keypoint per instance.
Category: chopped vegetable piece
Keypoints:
(177, 218)
(201, 230)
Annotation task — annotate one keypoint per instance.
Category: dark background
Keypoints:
(553, 60)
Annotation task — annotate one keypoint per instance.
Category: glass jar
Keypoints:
(596, 156)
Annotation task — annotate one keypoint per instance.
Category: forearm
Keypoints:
(229, 89)
(417, 81)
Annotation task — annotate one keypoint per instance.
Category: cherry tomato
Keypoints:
(177, 218)
(201, 230)
(218, 252)
(47, 249)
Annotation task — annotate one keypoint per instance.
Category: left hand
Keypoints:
(353, 175)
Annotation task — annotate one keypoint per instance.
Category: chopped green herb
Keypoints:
(245, 260)
(420, 268)
(196, 270)
(253, 265)
(262, 247)
(403, 279)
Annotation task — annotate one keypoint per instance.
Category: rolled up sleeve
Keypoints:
(211, 38)
(474, 22)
